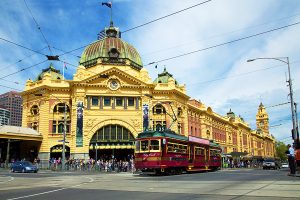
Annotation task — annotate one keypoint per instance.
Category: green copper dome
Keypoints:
(111, 50)
(164, 77)
(55, 74)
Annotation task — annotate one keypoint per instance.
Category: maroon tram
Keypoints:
(167, 152)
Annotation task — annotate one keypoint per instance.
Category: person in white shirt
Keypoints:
(291, 159)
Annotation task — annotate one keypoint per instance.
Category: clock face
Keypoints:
(114, 84)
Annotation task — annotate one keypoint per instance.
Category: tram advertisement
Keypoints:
(79, 140)
(145, 117)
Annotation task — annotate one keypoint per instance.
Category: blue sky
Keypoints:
(220, 77)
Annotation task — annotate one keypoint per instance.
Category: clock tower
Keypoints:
(262, 120)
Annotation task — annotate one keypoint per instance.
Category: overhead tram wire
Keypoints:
(181, 55)
(38, 27)
(23, 69)
(220, 35)
(65, 52)
(160, 18)
(20, 60)
(280, 104)
(22, 46)
(11, 88)
(241, 74)
(146, 23)
(225, 43)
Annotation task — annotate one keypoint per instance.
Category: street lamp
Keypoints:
(63, 162)
(96, 151)
(295, 132)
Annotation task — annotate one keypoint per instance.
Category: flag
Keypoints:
(65, 65)
(108, 4)
(101, 35)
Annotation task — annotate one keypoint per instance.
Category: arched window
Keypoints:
(60, 108)
(207, 133)
(34, 110)
(179, 112)
(158, 109)
(112, 132)
(59, 118)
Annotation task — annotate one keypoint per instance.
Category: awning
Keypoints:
(112, 147)
(238, 154)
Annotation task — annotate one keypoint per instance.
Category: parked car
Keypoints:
(271, 163)
(285, 165)
(23, 166)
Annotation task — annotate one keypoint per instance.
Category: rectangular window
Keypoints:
(137, 146)
(107, 101)
(145, 145)
(130, 101)
(119, 101)
(54, 127)
(199, 151)
(95, 101)
(154, 145)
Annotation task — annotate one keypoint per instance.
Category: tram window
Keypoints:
(170, 147)
(199, 151)
(183, 149)
(145, 145)
(154, 144)
(214, 152)
(137, 146)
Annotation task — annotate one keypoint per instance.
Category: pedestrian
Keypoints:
(291, 158)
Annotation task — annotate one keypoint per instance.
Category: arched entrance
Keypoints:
(112, 141)
(56, 151)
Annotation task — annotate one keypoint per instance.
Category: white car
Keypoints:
(285, 165)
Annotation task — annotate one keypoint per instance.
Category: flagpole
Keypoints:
(111, 21)
(63, 70)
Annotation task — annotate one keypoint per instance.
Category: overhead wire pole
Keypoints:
(295, 131)
(63, 156)
(63, 162)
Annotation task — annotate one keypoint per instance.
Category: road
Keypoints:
(225, 184)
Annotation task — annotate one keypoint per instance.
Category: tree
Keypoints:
(281, 150)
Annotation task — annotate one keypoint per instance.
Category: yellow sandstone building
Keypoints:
(112, 98)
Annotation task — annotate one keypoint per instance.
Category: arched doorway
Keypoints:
(112, 142)
(56, 152)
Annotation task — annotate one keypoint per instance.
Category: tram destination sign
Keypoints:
(198, 140)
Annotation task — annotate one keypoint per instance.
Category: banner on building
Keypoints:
(79, 125)
(145, 117)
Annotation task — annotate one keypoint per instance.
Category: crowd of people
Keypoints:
(105, 165)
